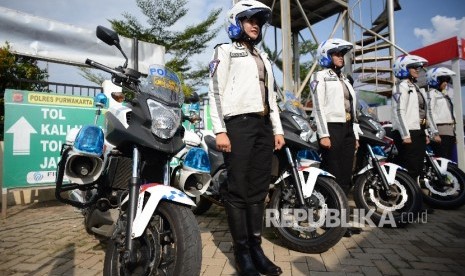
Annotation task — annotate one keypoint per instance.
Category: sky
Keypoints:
(418, 23)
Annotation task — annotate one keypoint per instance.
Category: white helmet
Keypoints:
(246, 9)
(330, 46)
(403, 63)
(435, 76)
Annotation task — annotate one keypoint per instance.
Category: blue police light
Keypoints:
(90, 140)
(197, 159)
(308, 154)
(377, 150)
(100, 98)
(194, 107)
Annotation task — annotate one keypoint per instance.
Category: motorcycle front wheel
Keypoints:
(307, 229)
(446, 194)
(396, 209)
(170, 245)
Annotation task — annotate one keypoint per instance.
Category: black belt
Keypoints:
(445, 124)
(246, 115)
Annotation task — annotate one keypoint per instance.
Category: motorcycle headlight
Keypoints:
(380, 131)
(304, 126)
(165, 121)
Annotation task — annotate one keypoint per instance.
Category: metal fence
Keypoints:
(64, 88)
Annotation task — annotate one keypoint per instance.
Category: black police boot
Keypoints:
(237, 220)
(255, 227)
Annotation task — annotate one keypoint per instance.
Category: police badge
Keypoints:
(212, 66)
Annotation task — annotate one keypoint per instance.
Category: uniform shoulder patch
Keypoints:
(396, 96)
(212, 66)
(313, 85)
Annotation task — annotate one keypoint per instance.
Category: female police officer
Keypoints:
(334, 110)
(442, 110)
(411, 115)
(246, 122)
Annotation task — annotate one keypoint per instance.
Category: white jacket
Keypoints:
(406, 111)
(234, 87)
(440, 109)
(328, 101)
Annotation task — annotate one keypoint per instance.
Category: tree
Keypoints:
(180, 46)
(15, 71)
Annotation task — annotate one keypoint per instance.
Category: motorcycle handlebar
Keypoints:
(105, 68)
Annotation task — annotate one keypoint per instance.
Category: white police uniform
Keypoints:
(406, 110)
(328, 101)
(231, 88)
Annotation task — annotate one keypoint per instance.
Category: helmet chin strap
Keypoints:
(336, 69)
(248, 39)
(412, 79)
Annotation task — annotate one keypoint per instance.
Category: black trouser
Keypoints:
(249, 162)
(445, 148)
(338, 160)
(411, 156)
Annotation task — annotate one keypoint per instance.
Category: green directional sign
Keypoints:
(36, 125)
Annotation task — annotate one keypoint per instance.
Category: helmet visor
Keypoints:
(415, 65)
(341, 49)
(263, 15)
(442, 79)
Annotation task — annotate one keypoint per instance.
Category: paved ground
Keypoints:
(48, 239)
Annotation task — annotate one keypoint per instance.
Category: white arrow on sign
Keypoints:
(22, 131)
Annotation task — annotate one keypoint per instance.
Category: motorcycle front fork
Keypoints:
(295, 174)
(377, 167)
(434, 168)
(134, 183)
(130, 256)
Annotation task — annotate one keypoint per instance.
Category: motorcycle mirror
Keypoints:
(108, 36)
(111, 38)
(118, 96)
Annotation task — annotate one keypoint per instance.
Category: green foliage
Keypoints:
(180, 46)
(14, 69)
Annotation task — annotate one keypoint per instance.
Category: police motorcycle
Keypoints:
(307, 209)
(383, 190)
(154, 231)
(441, 181)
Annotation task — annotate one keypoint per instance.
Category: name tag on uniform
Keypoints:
(331, 79)
(239, 54)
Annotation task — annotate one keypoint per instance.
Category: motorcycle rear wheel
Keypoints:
(170, 245)
(402, 205)
(320, 239)
(451, 196)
